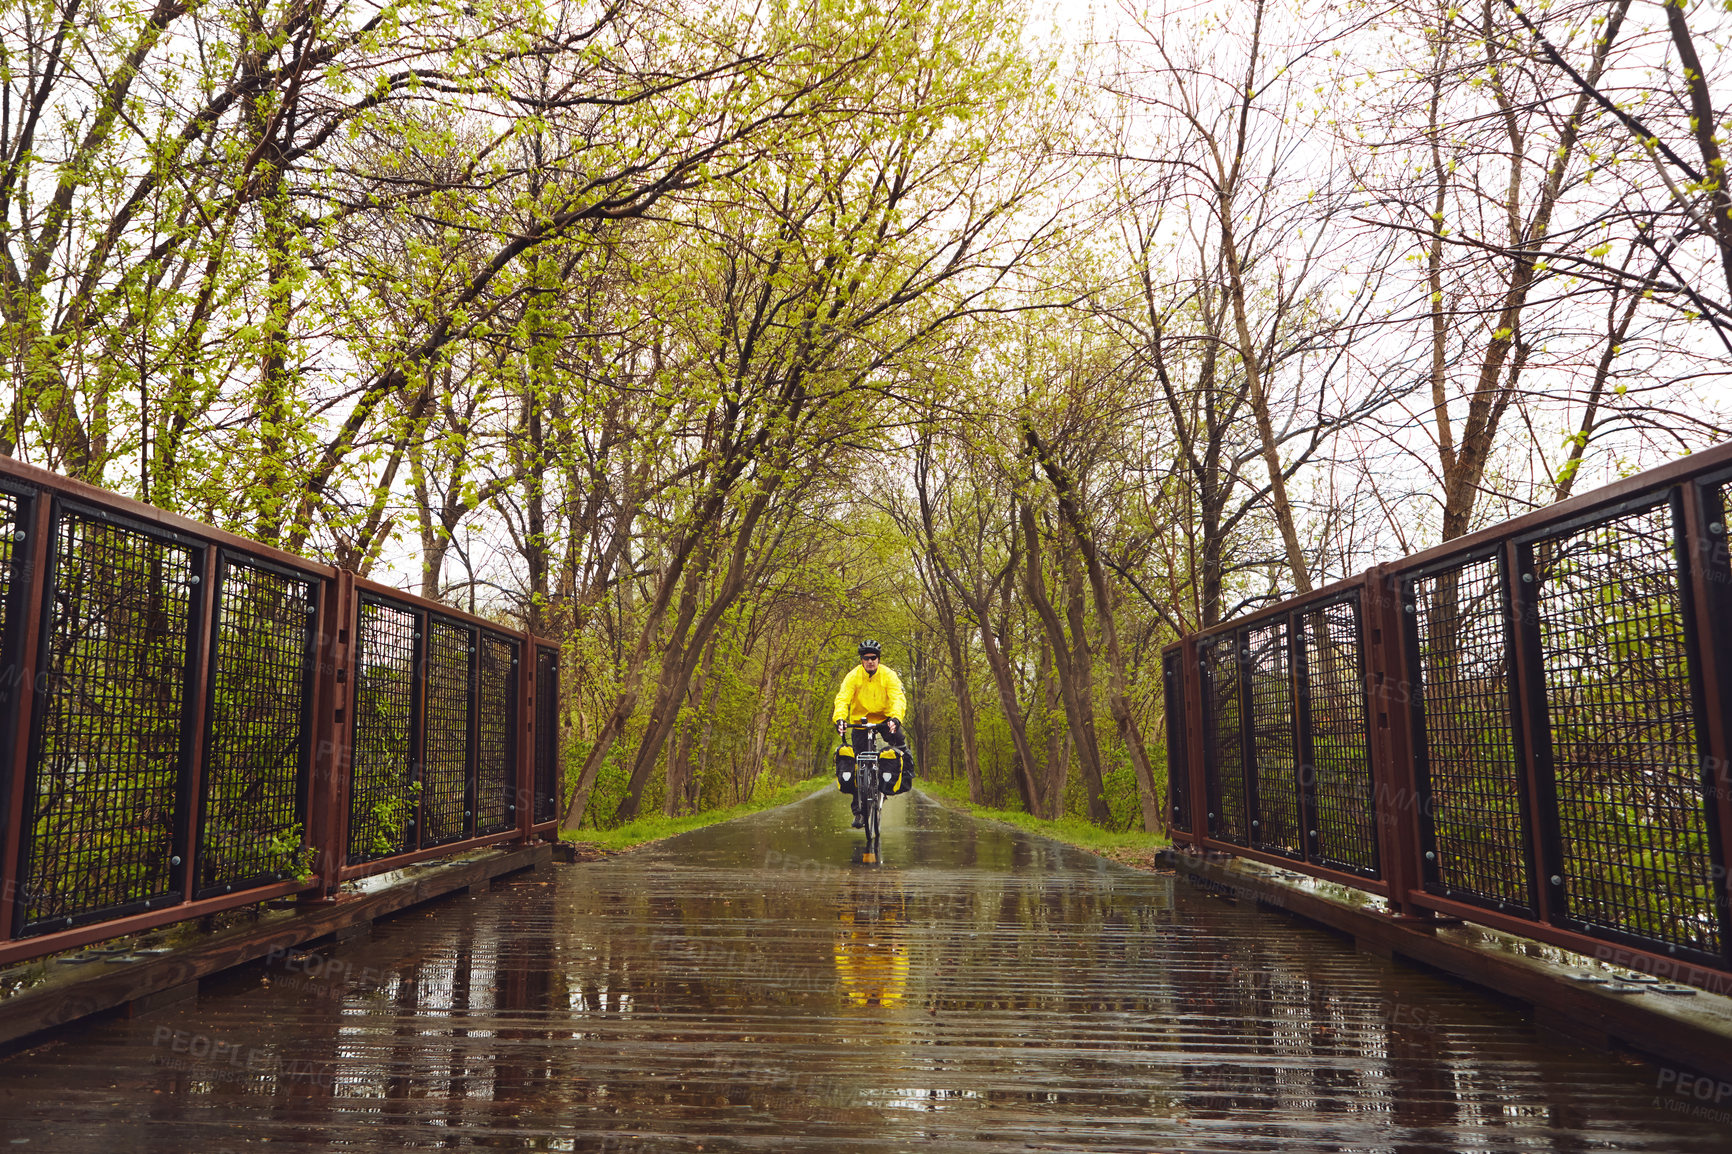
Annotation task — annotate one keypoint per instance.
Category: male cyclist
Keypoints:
(873, 693)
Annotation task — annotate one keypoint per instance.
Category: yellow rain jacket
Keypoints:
(874, 698)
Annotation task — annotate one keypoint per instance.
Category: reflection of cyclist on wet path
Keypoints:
(871, 953)
(871, 692)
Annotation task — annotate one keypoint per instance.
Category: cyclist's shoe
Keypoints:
(859, 822)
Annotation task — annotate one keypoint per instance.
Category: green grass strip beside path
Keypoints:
(655, 827)
(1132, 847)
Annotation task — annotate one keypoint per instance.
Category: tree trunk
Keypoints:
(696, 539)
(920, 702)
(978, 603)
(1072, 681)
(682, 784)
(1255, 381)
(1129, 731)
(1494, 389)
(1618, 329)
(679, 655)
(1057, 738)
(766, 716)
(1083, 662)
(433, 546)
(964, 695)
(1026, 786)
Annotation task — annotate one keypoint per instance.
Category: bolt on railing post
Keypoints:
(34, 521)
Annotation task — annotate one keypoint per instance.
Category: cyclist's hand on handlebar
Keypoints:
(894, 725)
(841, 727)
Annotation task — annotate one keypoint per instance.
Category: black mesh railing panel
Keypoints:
(547, 783)
(252, 820)
(495, 777)
(1224, 742)
(1625, 755)
(383, 792)
(445, 786)
(103, 803)
(1270, 676)
(1178, 751)
(1472, 806)
(1340, 741)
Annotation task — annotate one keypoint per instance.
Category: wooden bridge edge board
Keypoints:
(29, 1013)
(1693, 1033)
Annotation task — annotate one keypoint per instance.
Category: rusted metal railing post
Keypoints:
(195, 716)
(472, 738)
(1178, 764)
(31, 534)
(1249, 771)
(1395, 786)
(333, 731)
(418, 676)
(1709, 608)
(1304, 748)
(523, 767)
(1191, 663)
(549, 781)
(1533, 734)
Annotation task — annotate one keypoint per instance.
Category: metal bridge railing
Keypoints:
(191, 721)
(1526, 727)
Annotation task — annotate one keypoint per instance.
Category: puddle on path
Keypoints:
(747, 987)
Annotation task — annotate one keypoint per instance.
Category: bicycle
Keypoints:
(875, 776)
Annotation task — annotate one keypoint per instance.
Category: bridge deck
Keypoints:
(746, 988)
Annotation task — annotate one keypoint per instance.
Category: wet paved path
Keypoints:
(745, 988)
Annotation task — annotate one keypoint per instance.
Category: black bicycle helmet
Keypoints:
(872, 647)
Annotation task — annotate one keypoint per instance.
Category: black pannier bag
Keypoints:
(845, 768)
(899, 760)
